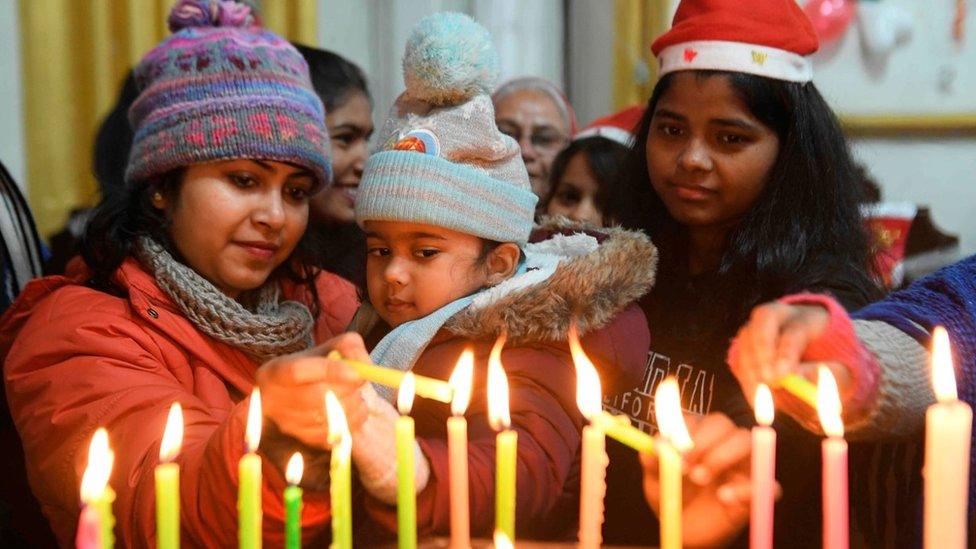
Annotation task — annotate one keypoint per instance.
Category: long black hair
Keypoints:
(122, 217)
(604, 157)
(805, 229)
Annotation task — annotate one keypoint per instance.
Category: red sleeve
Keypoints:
(72, 371)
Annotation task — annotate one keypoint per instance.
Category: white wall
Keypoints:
(12, 151)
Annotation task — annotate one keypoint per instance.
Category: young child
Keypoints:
(742, 177)
(584, 174)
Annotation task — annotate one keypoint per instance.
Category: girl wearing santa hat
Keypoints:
(741, 175)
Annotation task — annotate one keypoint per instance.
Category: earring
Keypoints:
(157, 199)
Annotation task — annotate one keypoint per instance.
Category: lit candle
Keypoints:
(834, 448)
(293, 501)
(249, 479)
(95, 526)
(593, 467)
(406, 491)
(763, 472)
(340, 475)
(506, 443)
(501, 541)
(948, 428)
(457, 445)
(675, 441)
(168, 481)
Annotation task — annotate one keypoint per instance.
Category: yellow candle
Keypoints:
(948, 431)
(506, 443)
(168, 482)
(763, 472)
(406, 481)
(593, 467)
(427, 387)
(249, 513)
(457, 444)
(675, 441)
(340, 475)
(96, 495)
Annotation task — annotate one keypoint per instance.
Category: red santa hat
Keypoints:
(770, 38)
(619, 126)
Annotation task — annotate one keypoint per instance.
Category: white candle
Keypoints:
(834, 449)
(457, 445)
(763, 472)
(948, 428)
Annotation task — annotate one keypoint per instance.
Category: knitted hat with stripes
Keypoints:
(442, 160)
(222, 88)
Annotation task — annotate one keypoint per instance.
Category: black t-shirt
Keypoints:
(689, 340)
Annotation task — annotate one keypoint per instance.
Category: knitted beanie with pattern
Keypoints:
(223, 88)
(442, 160)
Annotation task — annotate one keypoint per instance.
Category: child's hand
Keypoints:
(293, 389)
(717, 490)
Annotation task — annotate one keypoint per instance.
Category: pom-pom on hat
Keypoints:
(222, 88)
(619, 126)
(770, 38)
(441, 159)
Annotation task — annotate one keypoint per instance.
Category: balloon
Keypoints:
(830, 18)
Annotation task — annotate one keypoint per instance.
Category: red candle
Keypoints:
(834, 448)
(763, 472)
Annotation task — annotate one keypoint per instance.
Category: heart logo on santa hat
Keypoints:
(690, 55)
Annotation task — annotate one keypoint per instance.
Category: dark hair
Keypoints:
(124, 216)
(114, 141)
(605, 158)
(334, 77)
(804, 231)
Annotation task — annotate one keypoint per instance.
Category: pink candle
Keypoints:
(89, 530)
(834, 448)
(457, 446)
(763, 472)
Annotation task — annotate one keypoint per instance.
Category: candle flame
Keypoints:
(943, 372)
(172, 434)
(99, 469)
(405, 393)
(252, 435)
(502, 541)
(828, 403)
(295, 468)
(460, 382)
(498, 412)
(764, 405)
(588, 390)
(667, 409)
(338, 427)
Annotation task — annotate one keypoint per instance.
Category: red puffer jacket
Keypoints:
(78, 359)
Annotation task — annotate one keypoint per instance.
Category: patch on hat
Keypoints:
(422, 141)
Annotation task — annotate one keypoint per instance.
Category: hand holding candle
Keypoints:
(948, 431)
(834, 447)
(406, 482)
(293, 501)
(95, 528)
(168, 481)
(457, 443)
(506, 443)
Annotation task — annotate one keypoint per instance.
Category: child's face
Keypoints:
(708, 157)
(414, 269)
(575, 194)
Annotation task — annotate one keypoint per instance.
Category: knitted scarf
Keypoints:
(265, 329)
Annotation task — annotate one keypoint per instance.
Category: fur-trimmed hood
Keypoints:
(590, 287)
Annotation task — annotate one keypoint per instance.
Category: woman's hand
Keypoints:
(293, 389)
(717, 490)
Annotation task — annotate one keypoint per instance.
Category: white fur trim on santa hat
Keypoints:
(720, 55)
(612, 133)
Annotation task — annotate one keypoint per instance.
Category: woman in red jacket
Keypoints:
(192, 279)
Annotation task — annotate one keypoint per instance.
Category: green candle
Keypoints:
(249, 480)
(340, 475)
(168, 482)
(104, 505)
(506, 443)
(406, 491)
(293, 502)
